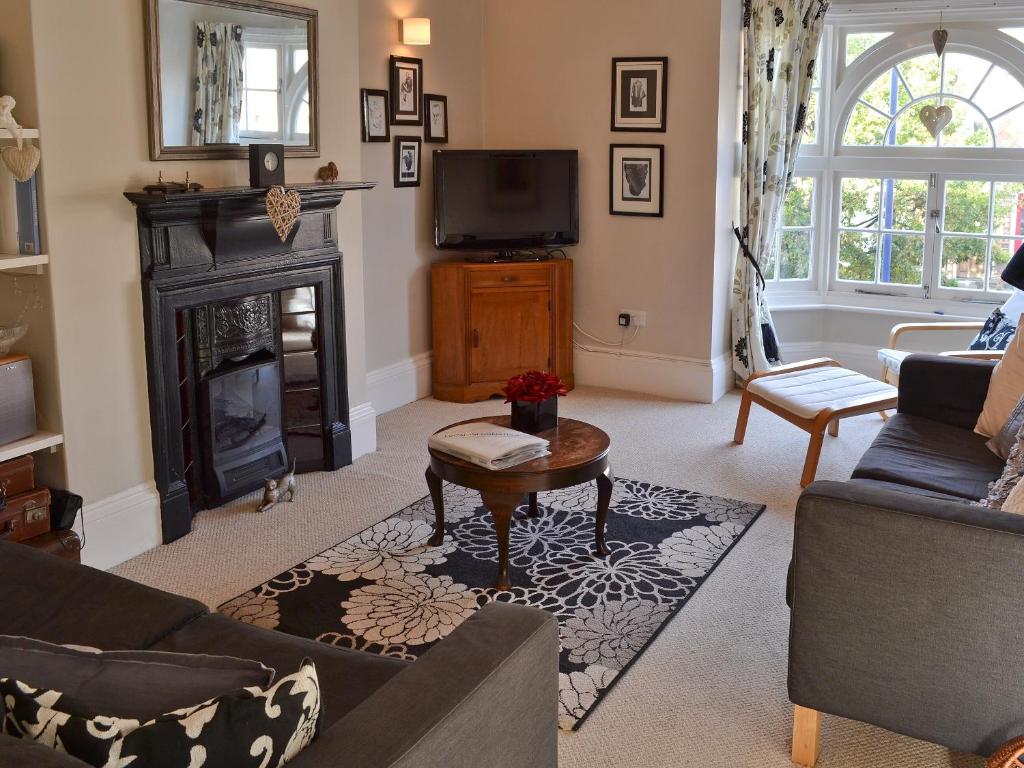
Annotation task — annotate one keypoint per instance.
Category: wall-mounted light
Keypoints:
(416, 31)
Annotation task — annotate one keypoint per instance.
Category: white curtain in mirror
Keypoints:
(220, 62)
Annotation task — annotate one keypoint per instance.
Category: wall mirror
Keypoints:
(224, 74)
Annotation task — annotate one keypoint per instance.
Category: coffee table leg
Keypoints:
(605, 483)
(534, 511)
(501, 506)
(434, 484)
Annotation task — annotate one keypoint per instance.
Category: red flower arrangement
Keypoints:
(533, 387)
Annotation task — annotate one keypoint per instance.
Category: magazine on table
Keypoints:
(488, 445)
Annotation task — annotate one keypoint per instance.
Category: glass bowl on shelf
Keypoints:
(11, 336)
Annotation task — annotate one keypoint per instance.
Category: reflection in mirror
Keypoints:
(231, 76)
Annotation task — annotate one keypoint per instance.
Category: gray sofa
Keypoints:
(485, 695)
(906, 599)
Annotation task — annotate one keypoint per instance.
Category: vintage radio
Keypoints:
(26, 515)
(17, 402)
(17, 476)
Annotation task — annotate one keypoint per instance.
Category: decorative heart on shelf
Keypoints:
(935, 119)
(21, 162)
(283, 208)
(940, 37)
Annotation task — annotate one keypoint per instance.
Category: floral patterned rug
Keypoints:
(397, 595)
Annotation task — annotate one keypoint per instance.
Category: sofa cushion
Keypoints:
(139, 684)
(19, 753)
(922, 453)
(346, 677)
(58, 601)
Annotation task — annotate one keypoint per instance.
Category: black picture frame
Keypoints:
(405, 176)
(365, 96)
(429, 134)
(403, 70)
(633, 194)
(648, 103)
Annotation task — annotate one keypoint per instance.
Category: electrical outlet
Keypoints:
(637, 318)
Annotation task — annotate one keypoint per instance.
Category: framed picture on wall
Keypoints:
(435, 110)
(407, 161)
(639, 93)
(376, 125)
(637, 182)
(406, 78)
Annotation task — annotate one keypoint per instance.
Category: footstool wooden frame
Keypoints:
(826, 418)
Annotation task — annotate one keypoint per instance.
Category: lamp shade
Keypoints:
(1013, 274)
(416, 31)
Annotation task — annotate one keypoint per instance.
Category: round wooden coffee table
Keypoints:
(579, 454)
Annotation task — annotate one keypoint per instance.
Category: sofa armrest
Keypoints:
(947, 389)
(487, 695)
(906, 614)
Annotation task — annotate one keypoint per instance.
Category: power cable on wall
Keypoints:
(620, 344)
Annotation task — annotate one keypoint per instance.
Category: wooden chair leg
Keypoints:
(833, 427)
(813, 454)
(741, 419)
(806, 736)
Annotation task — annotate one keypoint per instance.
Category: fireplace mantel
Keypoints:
(198, 249)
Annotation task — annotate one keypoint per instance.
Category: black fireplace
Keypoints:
(245, 343)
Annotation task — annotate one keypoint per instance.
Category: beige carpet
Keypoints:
(711, 690)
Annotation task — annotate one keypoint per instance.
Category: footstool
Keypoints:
(814, 395)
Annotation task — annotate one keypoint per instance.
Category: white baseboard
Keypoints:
(862, 358)
(723, 379)
(399, 384)
(362, 423)
(679, 378)
(121, 526)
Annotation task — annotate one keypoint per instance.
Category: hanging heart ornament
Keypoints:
(940, 37)
(283, 208)
(21, 162)
(935, 119)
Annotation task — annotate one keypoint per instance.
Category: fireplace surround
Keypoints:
(245, 343)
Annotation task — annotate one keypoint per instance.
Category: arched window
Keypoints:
(881, 206)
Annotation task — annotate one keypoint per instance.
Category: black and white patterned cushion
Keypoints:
(248, 728)
(996, 334)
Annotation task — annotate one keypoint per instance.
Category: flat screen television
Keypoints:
(506, 200)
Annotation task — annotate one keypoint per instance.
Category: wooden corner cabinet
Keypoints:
(493, 321)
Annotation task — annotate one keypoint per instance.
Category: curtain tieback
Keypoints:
(750, 257)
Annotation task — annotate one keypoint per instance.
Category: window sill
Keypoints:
(891, 306)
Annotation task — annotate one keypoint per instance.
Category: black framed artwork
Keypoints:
(639, 93)
(406, 78)
(435, 111)
(637, 181)
(376, 125)
(407, 161)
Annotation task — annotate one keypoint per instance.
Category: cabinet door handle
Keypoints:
(476, 338)
(509, 278)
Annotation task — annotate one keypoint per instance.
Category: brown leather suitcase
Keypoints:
(26, 515)
(64, 544)
(17, 476)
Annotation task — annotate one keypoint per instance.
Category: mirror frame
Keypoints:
(159, 151)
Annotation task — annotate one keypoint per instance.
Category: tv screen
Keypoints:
(505, 199)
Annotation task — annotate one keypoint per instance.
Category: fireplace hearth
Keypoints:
(245, 343)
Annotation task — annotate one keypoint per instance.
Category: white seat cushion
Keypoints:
(808, 393)
(892, 359)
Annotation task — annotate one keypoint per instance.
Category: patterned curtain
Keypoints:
(780, 44)
(220, 58)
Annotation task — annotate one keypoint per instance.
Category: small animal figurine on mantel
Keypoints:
(328, 173)
(275, 490)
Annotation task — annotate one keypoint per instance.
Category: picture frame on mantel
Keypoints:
(407, 161)
(405, 75)
(639, 93)
(435, 116)
(376, 116)
(636, 185)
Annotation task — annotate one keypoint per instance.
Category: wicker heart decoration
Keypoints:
(283, 208)
(935, 119)
(940, 37)
(1008, 755)
(21, 162)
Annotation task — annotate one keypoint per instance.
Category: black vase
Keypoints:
(535, 417)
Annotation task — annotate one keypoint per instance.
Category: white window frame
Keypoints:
(291, 86)
(973, 31)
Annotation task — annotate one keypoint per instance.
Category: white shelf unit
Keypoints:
(32, 263)
(40, 441)
(26, 133)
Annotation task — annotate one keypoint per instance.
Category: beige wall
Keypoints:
(547, 84)
(90, 73)
(398, 223)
